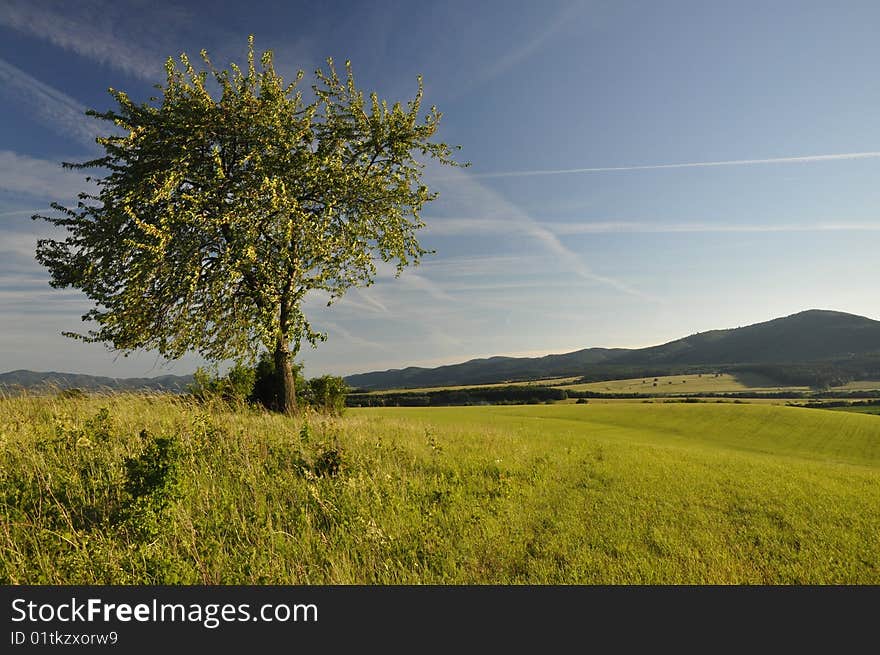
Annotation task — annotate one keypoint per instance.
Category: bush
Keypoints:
(72, 393)
(235, 387)
(328, 394)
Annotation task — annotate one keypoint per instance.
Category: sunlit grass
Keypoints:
(611, 493)
(690, 384)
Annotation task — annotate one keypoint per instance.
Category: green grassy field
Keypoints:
(598, 493)
(872, 409)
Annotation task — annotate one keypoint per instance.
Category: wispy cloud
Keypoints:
(489, 265)
(808, 159)
(110, 33)
(637, 227)
(494, 211)
(19, 244)
(15, 212)
(470, 225)
(475, 225)
(39, 178)
(521, 51)
(55, 109)
(334, 329)
(409, 280)
(359, 300)
(136, 37)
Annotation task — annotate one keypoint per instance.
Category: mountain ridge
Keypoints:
(810, 336)
(27, 379)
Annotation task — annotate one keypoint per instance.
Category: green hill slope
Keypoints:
(813, 335)
(844, 345)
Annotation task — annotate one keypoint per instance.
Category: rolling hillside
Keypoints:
(834, 340)
(812, 335)
(33, 380)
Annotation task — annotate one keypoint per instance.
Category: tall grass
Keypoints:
(128, 489)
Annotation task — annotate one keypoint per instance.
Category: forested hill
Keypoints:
(804, 348)
(807, 338)
(813, 335)
(22, 379)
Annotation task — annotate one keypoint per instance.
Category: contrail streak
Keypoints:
(700, 164)
(60, 112)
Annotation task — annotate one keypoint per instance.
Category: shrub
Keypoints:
(328, 394)
(72, 393)
(235, 387)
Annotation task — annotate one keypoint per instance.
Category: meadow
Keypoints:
(133, 489)
(693, 383)
(664, 385)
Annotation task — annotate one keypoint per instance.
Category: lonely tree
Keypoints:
(228, 197)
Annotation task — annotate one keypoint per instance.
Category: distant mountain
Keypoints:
(813, 335)
(807, 338)
(796, 349)
(22, 379)
(485, 371)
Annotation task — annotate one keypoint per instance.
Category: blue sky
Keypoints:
(639, 170)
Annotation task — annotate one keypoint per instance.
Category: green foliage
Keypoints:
(236, 386)
(328, 394)
(86, 491)
(216, 216)
(325, 394)
(73, 393)
(152, 474)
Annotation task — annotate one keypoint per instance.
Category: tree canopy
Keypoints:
(215, 216)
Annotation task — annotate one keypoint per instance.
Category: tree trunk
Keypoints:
(285, 386)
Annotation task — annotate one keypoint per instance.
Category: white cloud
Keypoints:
(540, 36)
(494, 213)
(645, 227)
(458, 226)
(43, 179)
(56, 110)
(137, 36)
(409, 280)
(481, 267)
(18, 243)
(462, 226)
(335, 330)
(809, 159)
(109, 33)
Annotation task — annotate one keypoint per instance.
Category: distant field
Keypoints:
(661, 386)
(869, 409)
(658, 399)
(678, 384)
(549, 382)
(157, 490)
(860, 385)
